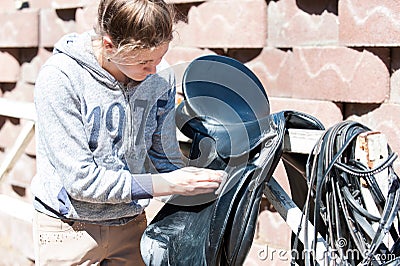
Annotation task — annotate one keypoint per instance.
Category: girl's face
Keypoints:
(137, 65)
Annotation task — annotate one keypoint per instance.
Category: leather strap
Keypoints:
(333, 178)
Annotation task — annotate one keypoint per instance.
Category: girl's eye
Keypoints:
(143, 62)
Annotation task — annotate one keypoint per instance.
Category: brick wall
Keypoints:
(335, 60)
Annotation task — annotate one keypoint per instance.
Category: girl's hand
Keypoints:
(187, 181)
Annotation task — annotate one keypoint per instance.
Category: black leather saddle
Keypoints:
(226, 115)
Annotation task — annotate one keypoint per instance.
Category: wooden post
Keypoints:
(372, 150)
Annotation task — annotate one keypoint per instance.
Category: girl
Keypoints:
(106, 139)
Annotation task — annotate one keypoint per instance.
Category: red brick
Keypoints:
(235, 24)
(19, 28)
(58, 4)
(9, 67)
(326, 112)
(340, 74)
(86, 18)
(395, 76)
(182, 1)
(53, 27)
(281, 177)
(272, 230)
(337, 74)
(31, 148)
(181, 55)
(23, 194)
(21, 92)
(30, 70)
(23, 171)
(293, 23)
(369, 23)
(7, 5)
(17, 235)
(243, 55)
(9, 133)
(273, 67)
(385, 119)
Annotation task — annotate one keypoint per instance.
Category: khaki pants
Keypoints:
(59, 242)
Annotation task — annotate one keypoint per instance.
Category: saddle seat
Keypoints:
(225, 101)
(245, 135)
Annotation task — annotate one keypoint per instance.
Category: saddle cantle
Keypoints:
(226, 115)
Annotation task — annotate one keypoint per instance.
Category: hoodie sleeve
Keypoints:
(63, 144)
(165, 153)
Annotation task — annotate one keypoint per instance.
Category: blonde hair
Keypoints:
(135, 24)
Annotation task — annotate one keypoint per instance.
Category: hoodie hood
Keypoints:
(79, 48)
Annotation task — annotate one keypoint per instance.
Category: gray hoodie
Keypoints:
(98, 140)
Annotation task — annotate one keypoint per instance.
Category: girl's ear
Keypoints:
(107, 43)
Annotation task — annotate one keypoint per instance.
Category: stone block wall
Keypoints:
(335, 60)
